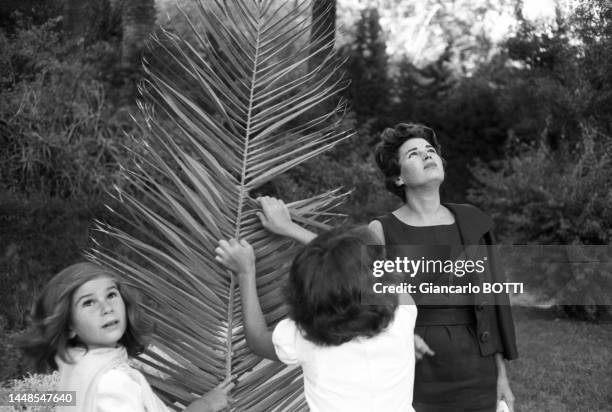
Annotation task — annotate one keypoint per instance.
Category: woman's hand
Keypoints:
(276, 218)
(236, 256)
(421, 348)
(503, 384)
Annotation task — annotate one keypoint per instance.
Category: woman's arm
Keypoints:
(239, 257)
(276, 219)
(376, 227)
(503, 384)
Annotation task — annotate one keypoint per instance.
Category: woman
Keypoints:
(460, 339)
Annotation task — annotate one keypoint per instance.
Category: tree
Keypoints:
(197, 171)
(367, 68)
(132, 21)
(323, 28)
(138, 20)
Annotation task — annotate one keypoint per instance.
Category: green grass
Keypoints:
(563, 365)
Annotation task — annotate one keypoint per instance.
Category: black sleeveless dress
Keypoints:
(457, 377)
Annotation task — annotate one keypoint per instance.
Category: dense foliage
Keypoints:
(527, 129)
(63, 136)
(553, 184)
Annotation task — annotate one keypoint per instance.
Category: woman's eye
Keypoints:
(412, 154)
(112, 295)
(88, 302)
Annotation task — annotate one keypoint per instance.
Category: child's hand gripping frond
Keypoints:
(237, 256)
(218, 398)
(276, 218)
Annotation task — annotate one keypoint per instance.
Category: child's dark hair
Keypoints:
(328, 280)
(387, 156)
(48, 334)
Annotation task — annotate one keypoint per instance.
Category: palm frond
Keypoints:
(226, 111)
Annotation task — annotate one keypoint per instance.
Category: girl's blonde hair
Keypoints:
(48, 334)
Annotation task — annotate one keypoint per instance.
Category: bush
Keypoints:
(61, 136)
(562, 197)
(34, 383)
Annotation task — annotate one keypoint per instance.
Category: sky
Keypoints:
(407, 23)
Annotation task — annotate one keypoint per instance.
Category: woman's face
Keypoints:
(419, 163)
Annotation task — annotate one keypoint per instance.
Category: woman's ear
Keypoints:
(399, 181)
(71, 333)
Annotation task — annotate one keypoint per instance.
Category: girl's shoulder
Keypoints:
(119, 389)
(124, 388)
(120, 375)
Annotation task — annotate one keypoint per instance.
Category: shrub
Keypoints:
(34, 383)
(561, 197)
(61, 135)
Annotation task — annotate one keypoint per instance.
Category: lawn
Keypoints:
(563, 365)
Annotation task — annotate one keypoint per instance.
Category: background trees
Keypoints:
(524, 119)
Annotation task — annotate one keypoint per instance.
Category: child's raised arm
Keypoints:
(276, 219)
(239, 257)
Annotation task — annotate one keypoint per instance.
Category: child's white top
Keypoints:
(104, 382)
(364, 374)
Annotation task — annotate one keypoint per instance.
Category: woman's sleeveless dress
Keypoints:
(457, 377)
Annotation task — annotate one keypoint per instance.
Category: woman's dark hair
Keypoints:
(328, 282)
(49, 331)
(387, 156)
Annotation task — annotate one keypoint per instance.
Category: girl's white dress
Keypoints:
(364, 374)
(104, 382)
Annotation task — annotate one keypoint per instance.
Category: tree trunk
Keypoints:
(138, 20)
(323, 32)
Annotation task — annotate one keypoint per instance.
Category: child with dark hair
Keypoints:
(461, 340)
(85, 324)
(354, 356)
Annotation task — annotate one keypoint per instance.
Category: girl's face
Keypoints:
(419, 163)
(97, 313)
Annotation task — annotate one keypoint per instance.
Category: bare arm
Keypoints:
(276, 218)
(258, 336)
(239, 257)
(376, 227)
(503, 383)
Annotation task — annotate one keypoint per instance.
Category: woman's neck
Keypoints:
(423, 208)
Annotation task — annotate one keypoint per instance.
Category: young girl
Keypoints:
(86, 324)
(354, 356)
